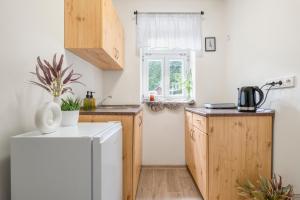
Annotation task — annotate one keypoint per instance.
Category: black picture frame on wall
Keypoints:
(210, 44)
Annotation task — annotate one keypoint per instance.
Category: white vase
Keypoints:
(57, 100)
(70, 118)
(48, 117)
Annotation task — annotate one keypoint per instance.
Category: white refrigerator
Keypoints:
(74, 163)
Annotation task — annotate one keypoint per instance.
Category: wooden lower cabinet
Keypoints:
(189, 141)
(200, 158)
(226, 150)
(137, 151)
(132, 148)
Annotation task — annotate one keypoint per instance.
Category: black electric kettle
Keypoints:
(247, 100)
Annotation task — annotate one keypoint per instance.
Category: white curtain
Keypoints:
(170, 31)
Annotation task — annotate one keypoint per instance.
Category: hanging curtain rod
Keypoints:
(200, 13)
(136, 13)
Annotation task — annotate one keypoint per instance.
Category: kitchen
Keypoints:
(250, 50)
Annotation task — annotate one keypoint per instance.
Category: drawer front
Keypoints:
(200, 122)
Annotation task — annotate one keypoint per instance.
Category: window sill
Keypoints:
(157, 106)
(189, 102)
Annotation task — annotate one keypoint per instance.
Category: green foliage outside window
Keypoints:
(175, 78)
(155, 75)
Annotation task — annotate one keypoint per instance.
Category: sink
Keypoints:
(117, 106)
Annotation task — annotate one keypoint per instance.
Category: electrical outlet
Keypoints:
(287, 82)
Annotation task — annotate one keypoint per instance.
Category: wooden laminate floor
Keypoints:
(167, 184)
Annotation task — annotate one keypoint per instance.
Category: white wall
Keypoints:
(164, 132)
(29, 29)
(264, 44)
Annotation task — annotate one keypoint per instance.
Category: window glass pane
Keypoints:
(175, 84)
(155, 76)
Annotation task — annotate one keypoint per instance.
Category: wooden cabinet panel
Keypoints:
(94, 32)
(120, 42)
(189, 140)
(200, 122)
(137, 151)
(83, 24)
(240, 149)
(108, 26)
(221, 150)
(201, 161)
(131, 148)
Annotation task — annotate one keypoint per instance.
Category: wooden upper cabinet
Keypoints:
(94, 32)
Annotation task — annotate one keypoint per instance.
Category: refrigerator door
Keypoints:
(51, 169)
(57, 166)
(107, 165)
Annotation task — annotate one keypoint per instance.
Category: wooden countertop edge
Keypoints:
(111, 113)
(272, 113)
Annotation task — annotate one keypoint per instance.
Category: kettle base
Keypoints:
(247, 109)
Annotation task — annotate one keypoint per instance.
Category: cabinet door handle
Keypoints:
(192, 134)
(117, 55)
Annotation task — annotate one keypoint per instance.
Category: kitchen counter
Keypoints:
(228, 112)
(114, 110)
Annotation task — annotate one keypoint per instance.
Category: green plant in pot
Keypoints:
(266, 189)
(70, 111)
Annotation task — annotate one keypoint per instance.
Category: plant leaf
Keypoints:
(41, 79)
(68, 78)
(67, 89)
(59, 66)
(40, 85)
(75, 79)
(43, 68)
(65, 70)
(78, 83)
(52, 69)
(54, 62)
(49, 74)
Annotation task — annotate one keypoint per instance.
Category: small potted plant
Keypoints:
(266, 189)
(70, 111)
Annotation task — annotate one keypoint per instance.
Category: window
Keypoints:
(167, 75)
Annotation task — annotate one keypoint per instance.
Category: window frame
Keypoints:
(166, 56)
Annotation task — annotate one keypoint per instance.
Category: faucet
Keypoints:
(103, 100)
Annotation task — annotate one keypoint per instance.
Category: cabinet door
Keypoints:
(113, 33)
(108, 27)
(118, 47)
(188, 140)
(240, 149)
(137, 151)
(201, 161)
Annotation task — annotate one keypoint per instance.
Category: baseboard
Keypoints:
(164, 166)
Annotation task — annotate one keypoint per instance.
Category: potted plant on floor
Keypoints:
(70, 111)
(266, 189)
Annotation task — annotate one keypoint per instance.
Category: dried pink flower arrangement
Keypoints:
(53, 78)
